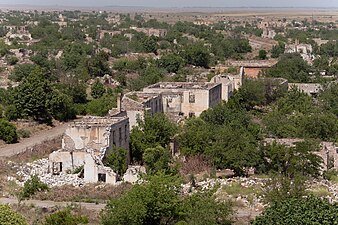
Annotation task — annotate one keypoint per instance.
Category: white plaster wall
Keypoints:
(86, 134)
(90, 170)
(66, 158)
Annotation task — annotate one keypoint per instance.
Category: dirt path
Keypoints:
(50, 204)
(24, 144)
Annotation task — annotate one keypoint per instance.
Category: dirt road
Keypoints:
(24, 144)
(50, 204)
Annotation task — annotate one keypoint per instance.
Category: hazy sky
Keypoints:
(181, 3)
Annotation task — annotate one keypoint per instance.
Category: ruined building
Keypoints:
(178, 100)
(86, 143)
(185, 98)
(136, 104)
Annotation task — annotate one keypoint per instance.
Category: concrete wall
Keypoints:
(215, 96)
(172, 102)
(133, 116)
(92, 171)
(203, 99)
(80, 137)
(227, 85)
(119, 134)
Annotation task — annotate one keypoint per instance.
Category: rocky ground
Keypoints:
(244, 191)
(40, 168)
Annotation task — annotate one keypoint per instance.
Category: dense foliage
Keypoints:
(308, 210)
(291, 67)
(151, 132)
(157, 201)
(225, 134)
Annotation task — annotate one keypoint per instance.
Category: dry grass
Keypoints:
(89, 193)
(195, 165)
(38, 151)
(321, 191)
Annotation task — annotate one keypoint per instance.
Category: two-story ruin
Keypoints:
(187, 98)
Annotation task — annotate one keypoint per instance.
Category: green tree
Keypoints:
(117, 160)
(65, 217)
(21, 71)
(9, 217)
(154, 202)
(156, 159)
(171, 62)
(308, 210)
(290, 161)
(61, 106)
(98, 89)
(150, 44)
(101, 106)
(226, 135)
(98, 66)
(31, 97)
(277, 50)
(291, 67)
(197, 55)
(204, 208)
(262, 54)
(329, 98)
(152, 131)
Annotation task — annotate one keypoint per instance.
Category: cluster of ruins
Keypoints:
(86, 143)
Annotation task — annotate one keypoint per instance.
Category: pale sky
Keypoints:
(181, 3)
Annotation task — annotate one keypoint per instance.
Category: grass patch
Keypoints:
(236, 189)
(320, 191)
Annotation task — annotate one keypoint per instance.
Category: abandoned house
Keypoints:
(135, 104)
(86, 143)
(187, 98)
(309, 89)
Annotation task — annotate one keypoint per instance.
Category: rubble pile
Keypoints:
(332, 188)
(246, 199)
(40, 168)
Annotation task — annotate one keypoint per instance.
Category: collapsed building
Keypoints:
(86, 143)
(305, 50)
(328, 151)
(312, 89)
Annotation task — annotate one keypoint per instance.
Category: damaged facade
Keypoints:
(86, 143)
(185, 98)
(311, 89)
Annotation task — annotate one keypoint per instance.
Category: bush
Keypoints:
(23, 133)
(31, 187)
(309, 210)
(65, 217)
(9, 217)
(8, 132)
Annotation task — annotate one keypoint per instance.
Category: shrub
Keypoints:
(65, 217)
(31, 187)
(309, 210)
(23, 133)
(9, 217)
(8, 132)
